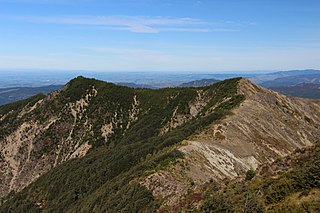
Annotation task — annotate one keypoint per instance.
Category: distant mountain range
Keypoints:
(196, 83)
(304, 90)
(259, 79)
(9, 95)
(134, 85)
(305, 84)
(294, 82)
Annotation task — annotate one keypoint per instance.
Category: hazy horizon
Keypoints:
(249, 72)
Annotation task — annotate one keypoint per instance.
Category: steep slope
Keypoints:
(266, 126)
(96, 139)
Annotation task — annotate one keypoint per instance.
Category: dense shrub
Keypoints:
(250, 174)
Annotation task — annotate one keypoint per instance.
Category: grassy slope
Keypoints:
(103, 180)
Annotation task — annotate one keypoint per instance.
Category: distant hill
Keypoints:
(199, 83)
(304, 90)
(296, 72)
(134, 85)
(260, 79)
(300, 83)
(292, 80)
(9, 95)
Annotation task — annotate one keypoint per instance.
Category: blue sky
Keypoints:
(160, 35)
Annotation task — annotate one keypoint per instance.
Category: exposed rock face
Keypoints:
(266, 126)
(175, 121)
(200, 102)
(194, 108)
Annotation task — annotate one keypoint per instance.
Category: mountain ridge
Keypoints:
(148, 129)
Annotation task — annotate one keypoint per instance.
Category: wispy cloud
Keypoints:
(176, 29)
(171, 29)
(137, 24)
